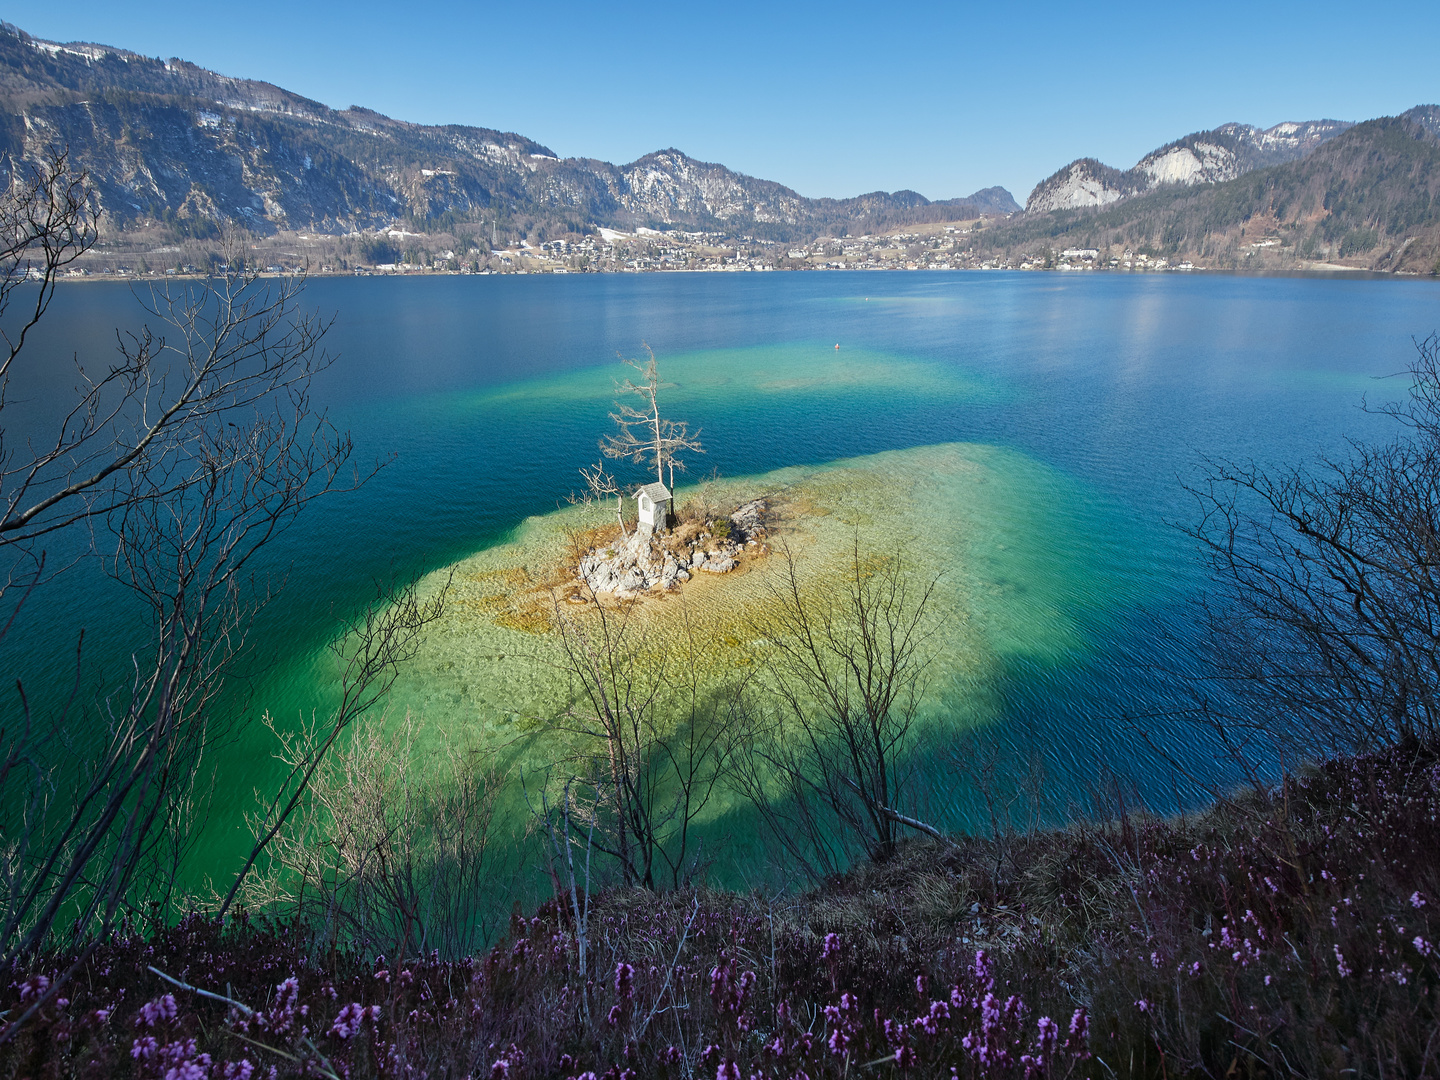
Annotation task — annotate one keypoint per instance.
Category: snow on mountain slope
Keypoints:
(1206, 157)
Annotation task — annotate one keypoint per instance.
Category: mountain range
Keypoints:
(169, 141)
(1363, 196)
(173, 147)
(1206, 157)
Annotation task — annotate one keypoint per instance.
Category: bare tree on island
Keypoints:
(646, 436)
(601, 486)
(652, 743)
(190, 450)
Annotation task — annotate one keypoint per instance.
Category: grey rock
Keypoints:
(749, 519)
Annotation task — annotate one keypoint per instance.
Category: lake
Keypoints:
(1070, 409)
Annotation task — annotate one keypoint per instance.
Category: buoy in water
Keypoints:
(837, 345)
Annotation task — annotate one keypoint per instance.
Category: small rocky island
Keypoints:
(663, 551)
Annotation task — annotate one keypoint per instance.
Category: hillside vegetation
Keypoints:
(169, 143)
(1368, 198)
(1289, 932)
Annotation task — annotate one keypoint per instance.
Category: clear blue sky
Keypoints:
(833, 98)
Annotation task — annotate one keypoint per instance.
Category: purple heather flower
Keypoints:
(982, 968)
(1049, 1033)
(624, 981)
(989, 1014)
(347, 1022)
(34, 987)
(162, 1008)
(1340, 965)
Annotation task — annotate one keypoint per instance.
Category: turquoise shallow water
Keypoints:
(1078, 406)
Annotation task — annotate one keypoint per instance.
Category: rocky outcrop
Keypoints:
(1082, 184)
(1206, 157)
(646, 562)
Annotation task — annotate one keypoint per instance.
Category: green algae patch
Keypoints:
(984, 523)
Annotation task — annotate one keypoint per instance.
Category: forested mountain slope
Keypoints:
(1206, 157)
(167, 141)
(1369, 197)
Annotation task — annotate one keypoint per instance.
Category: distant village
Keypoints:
(943, 246)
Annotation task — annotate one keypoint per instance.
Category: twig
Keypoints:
(916, 823)
(899, 818)
(694, 910)
(327, 1069)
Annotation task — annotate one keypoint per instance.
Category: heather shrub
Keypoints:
(1283, 932)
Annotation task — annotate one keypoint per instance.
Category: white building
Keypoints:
(654, 502)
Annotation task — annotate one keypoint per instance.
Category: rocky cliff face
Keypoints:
(169, 141)
(1367, 197)
(1207, 157)
(1082, 183)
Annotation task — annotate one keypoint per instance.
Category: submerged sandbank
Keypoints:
(985, 522)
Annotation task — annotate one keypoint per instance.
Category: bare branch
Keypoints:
(1325, 626)
(643, 434)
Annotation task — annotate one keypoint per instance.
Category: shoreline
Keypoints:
(1328, 271)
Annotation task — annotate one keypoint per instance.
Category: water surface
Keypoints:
(1038, 429)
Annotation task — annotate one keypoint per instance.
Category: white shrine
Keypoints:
(654, 503)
